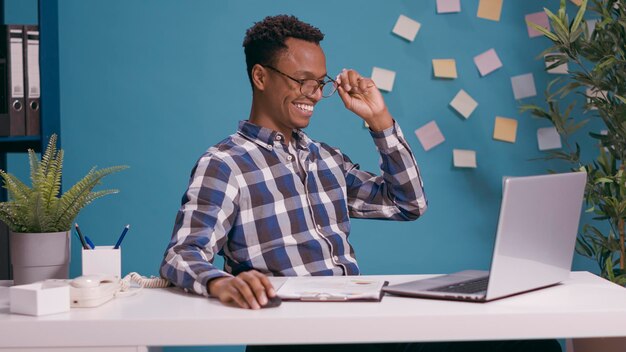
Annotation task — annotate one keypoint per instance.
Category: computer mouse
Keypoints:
(272, 302)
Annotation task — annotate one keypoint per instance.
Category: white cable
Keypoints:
(126, 288)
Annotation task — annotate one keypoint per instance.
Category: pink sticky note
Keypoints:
(448, 6)
(429, 135)
(539, 18)
(487, 62)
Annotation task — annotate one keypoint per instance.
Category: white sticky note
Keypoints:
(487, 62)
(548, 138)
(593, 93)
(464, 158)
(383, 78)
(448, 6)
(538, 18)
(523, 86)
(429, 135)
(406, 28)
(463, 103)
(591, 26)
(559, 70)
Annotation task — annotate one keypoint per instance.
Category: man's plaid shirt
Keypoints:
(247, 202)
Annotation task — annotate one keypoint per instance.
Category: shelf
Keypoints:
(20, 144)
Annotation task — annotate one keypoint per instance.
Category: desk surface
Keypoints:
(583, 306)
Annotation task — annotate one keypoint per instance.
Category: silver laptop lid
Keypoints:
(536, 232)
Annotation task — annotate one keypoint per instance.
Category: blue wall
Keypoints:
(153, 84)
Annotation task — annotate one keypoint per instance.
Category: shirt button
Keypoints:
(269, 146)
(336, 258)
(279, 137)
(289, 157)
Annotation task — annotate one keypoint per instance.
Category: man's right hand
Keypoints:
(249, 289)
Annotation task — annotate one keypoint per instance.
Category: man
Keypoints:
(271, 200)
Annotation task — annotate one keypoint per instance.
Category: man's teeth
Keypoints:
(304, 107)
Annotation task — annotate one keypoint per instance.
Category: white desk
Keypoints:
(584, 306)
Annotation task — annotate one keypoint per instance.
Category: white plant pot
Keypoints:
(39, 256)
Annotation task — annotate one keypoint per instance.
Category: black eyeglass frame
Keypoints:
(320, 83)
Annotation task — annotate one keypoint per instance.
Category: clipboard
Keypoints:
(332, 289)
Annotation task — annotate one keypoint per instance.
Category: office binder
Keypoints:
(31, 80)
(4, 112)
(15, 78)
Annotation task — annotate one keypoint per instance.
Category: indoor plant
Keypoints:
(40, 219)
(597, 76)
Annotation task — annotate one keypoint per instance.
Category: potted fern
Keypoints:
(596, 55)
(39, 219)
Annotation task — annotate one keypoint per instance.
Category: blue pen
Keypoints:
(119, 241)
(89, 242)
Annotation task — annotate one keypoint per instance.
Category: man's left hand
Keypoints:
(360, 95)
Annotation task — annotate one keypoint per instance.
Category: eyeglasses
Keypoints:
(308, 87)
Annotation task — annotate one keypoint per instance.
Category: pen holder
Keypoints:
(102, 260)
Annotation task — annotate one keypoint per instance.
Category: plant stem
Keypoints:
(620, 223)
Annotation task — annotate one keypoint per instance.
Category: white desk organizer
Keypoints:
(102, 260)
(40, 298)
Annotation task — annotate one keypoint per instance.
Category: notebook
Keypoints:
(330, 288)
(534, 246)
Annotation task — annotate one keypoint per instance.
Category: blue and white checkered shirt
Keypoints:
(246, 201)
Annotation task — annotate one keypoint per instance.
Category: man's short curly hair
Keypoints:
(265, 39)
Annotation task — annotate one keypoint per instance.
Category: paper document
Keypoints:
(331, 288)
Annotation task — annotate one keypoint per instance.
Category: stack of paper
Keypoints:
(331, 288)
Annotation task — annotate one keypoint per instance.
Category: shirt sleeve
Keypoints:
(206, 216)
(398, 193)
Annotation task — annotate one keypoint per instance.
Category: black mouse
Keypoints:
(272, 302)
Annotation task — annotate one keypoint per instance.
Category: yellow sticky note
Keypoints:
(444, 68)
(490, 9)
(505, 129)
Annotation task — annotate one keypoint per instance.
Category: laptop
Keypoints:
(534, 245)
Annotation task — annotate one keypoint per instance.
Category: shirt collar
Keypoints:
(266, 137)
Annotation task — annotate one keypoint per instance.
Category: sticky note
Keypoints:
(505, 129)
(594, 93)
(559, 70)
(577, 2)
(383, 78)
(464, 158)
(490, 9)
(538, 18)
(463, 103)
(548, 138)
(523, 86)
(448, 6)
(406, 28)
(487, 62)
(444, 68)
(429, 135)
(591, 26)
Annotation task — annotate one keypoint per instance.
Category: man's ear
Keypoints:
(259, 75)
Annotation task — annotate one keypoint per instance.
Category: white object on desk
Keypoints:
(102, 260)
(40, 298)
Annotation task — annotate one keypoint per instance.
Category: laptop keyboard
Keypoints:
(470, 286)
